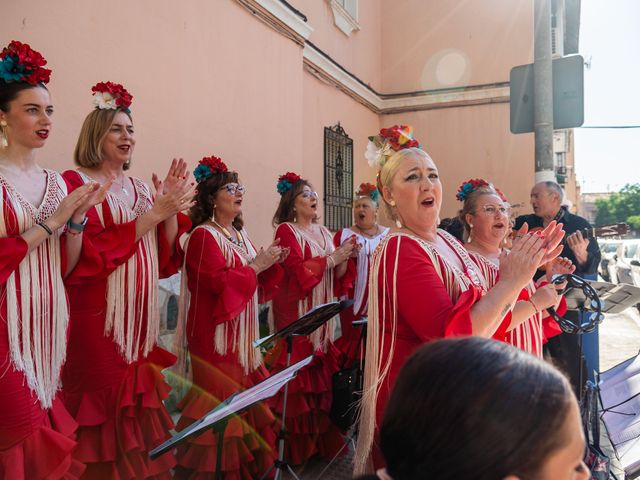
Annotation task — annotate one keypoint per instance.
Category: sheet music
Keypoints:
(620, 397)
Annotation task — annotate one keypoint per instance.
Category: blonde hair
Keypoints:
(88, 152)
(390, 169)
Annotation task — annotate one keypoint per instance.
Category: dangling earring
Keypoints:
(4, 142)
(295, 217)
(470, 233)
(398, 223)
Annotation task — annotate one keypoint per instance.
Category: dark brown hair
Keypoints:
(9, 92)
(285, 211)
(96, 125)
(473, 408)
(205, 195)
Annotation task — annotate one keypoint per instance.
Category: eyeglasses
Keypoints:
(309, 194)
(491, 210)
(235, 188)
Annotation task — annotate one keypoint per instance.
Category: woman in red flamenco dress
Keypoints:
(485, 216)
(368, 234)
(223, 282)
(423, 285)
(309, 272)
(37, 434)
(112, 381)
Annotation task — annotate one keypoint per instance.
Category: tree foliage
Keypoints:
(620, 207)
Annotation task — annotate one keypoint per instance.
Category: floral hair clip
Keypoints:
(368, 190)
(287, 181)
(500, 194)
(111, 96)
(208, 167)
(469, 186)
(20, 63)
(388, 141)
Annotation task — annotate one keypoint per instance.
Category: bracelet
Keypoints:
(534, 305)
(333, 262)
(46, 228)
(78, 227)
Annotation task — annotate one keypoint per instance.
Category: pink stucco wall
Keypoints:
(473, 142)
(209, 78)
(360, 52)
(491, 35)
(206, 77)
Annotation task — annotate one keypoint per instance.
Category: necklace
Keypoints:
(238, 241)
(122, 187)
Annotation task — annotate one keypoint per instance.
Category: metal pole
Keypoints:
(543, 91)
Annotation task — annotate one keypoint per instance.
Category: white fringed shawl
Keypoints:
(132, 314)
(364, 259)
(243, 330)
(528, 335)
(323, 291)
(37, 319)
(376, 366)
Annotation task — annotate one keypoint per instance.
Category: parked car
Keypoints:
(607, 268)
(627, 261)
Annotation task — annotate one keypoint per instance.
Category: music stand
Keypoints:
(305, 325)
(219, 416)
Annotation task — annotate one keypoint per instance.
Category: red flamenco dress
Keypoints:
(415, 296)
(308, 282)
(531, 334)
(355, 286)
(112, 381)
(36, 432)
(221, 294)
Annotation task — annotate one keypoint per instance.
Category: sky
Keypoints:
(607, 159)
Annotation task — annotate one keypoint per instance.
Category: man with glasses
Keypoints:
(546, 200)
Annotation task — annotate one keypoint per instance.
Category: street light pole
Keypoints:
(543, 91)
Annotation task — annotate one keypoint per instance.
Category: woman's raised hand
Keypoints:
(266, 258)
(174, 194)
(70, 204)
(177, 172)
(520, 264)
(94, 198)
(344, 251)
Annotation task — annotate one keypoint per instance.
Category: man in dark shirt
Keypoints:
(546, 199)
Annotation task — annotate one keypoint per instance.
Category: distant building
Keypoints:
(588, 208)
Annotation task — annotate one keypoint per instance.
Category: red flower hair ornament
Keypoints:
(208, 167)
(111, 96)
(387, 142)
(21, 64)
(287, 181)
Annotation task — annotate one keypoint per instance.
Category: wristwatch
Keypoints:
(78, 227)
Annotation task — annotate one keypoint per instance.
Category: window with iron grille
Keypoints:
(338, 177)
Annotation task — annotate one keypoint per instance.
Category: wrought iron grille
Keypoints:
(338, 177)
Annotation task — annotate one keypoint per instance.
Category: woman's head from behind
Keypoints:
(479, 409)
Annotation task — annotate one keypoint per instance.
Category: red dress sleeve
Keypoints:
(550, 327)
(208, 275)
(422, 298)
(308, 273)
(269, 282)
(170, 257)
(104, 248)
(12, 252)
